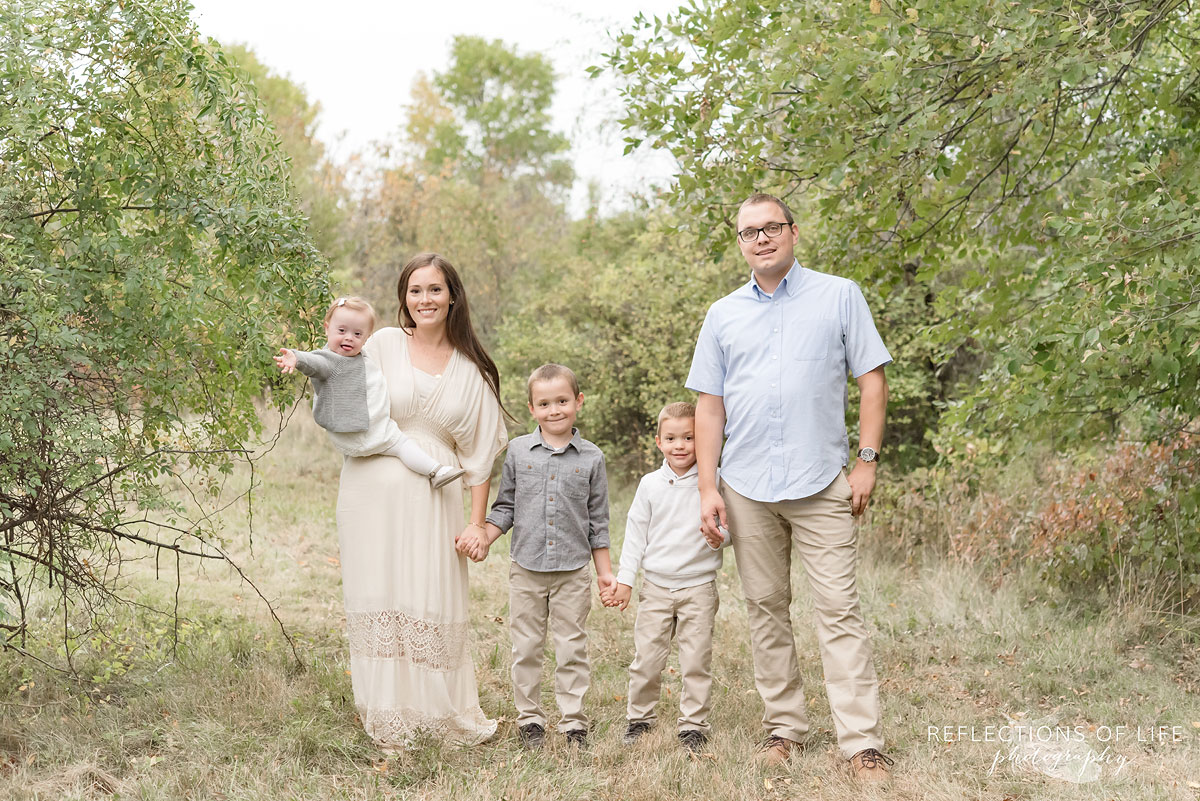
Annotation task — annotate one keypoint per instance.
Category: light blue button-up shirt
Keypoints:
(779, 360)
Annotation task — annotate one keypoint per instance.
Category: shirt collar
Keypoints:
(576, 441)
(788, 285)
(692, 472)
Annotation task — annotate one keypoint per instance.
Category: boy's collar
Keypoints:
(575, 442)
(692, 471)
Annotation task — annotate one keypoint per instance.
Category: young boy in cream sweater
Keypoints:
(679, 589)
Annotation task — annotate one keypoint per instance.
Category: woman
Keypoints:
(404, 583)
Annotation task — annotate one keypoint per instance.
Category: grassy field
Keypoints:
(230, 715)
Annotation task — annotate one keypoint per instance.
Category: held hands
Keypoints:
(286, 361)
(712, 517)
(607, 583)
(862, 483)
(619, 597)
(472, 543)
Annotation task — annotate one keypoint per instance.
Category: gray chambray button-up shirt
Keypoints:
(555, 501)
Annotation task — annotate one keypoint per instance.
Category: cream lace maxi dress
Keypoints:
(405, 586)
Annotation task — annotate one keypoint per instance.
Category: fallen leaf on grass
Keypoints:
(768, 785)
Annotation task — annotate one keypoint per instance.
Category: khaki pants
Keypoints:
(563, 598)
(663, 614)
(822, 530)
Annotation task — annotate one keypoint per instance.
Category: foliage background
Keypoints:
(153, 257)
(1014, 187)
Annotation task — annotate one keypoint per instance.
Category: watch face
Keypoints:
(868, 454)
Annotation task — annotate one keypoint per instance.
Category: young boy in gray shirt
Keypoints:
(554, 495)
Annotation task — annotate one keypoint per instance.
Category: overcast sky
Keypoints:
(358, 58)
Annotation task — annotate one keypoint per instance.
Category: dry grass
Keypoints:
(230, 716)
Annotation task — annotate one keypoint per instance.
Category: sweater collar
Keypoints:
(691, 477)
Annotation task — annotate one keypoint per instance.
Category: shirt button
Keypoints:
(670, 481)
(551, 542)
(551, 476)
(551, 497)
(773, 356)
(776, 330)
(550, 522)
(772, 385)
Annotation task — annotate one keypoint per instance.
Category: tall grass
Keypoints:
(227, 714)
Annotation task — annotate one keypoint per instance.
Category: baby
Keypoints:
(351, 401)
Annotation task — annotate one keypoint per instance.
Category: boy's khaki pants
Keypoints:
(563, 598)
(822, 530)
(686, 614)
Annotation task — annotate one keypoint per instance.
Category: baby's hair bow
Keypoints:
(340, 302)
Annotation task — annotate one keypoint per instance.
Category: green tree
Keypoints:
(1037, 167)
(489, 112)
(1033, 169)
(153, 258)
(623, 310)
(479, 177)
(318, 181)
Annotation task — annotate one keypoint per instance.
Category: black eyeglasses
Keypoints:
(772, 230)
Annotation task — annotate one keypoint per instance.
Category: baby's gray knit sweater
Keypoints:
(340, 383)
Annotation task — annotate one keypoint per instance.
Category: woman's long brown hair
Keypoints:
(459, 331)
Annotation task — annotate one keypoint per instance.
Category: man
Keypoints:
(770, 366)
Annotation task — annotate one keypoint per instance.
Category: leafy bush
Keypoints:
(1127, 516)
(152, 259)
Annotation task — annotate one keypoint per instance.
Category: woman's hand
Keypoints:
(286, 361)
(472, 543)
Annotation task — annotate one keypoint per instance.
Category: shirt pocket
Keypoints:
(575, 483)
(529, 479)
(810, 339)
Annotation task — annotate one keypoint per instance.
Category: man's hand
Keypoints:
(620, 596)
(286, 361)
(862, 484)
(712, 510)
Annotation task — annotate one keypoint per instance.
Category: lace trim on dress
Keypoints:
(392, 634)
(401, 727)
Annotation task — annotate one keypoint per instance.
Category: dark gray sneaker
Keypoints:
(578, 738)
(532, 736)
(693, 740)
(634, 732)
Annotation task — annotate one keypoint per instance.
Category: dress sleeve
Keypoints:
(482, 437)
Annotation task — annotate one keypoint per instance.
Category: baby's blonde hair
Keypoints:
(676, 411)
(353, 304)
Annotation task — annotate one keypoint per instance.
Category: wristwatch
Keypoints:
(868, 454)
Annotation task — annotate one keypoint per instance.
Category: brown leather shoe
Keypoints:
(869, 765)
(777, 750)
